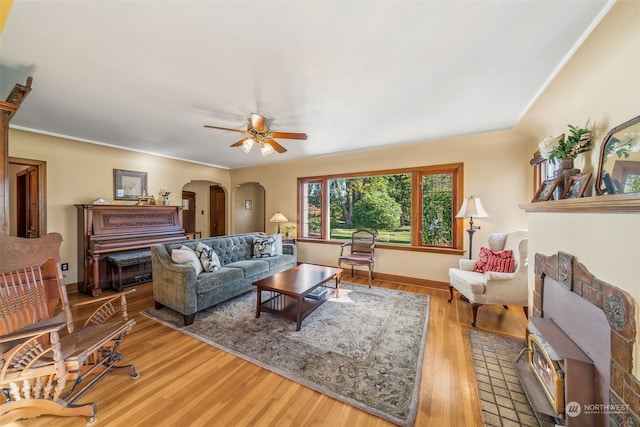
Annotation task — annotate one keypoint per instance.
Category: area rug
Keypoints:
(502, 398)
(364, 348)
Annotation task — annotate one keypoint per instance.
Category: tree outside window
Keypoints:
(413, 207)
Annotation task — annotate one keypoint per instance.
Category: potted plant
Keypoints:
(287, 229)
(566, 149)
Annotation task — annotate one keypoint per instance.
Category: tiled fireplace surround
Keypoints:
(619, 309)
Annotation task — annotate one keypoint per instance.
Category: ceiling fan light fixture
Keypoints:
(247, 145)
(266, 149)
(258, 133)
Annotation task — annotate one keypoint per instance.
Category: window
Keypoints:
(408, 207)
(311, 218)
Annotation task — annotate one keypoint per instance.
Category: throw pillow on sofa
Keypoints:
(186, 255)
(500, 261)
(264, 247)
(278, 238)
(208, 257)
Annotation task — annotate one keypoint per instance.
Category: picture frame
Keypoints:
(576, 186)
(545, 191)
(129, 185)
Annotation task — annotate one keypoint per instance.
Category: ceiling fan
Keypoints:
(258, 132)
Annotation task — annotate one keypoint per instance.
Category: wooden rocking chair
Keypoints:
(44, 369)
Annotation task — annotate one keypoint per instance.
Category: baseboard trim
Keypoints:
(435, 284)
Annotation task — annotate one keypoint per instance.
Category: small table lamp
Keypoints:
(472, 207)
(279, 218)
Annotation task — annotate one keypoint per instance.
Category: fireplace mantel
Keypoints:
(613, 204)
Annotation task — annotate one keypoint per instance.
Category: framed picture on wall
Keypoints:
(129, 185)
(545, 191)
(575, 186)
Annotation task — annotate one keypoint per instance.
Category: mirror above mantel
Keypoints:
(619, 166)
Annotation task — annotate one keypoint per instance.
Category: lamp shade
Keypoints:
(472, 208)
(278, 217)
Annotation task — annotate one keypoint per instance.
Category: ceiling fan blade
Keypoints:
(239, 143)
(279, 148)
(232, 130)
(258, 122)
(288, 135)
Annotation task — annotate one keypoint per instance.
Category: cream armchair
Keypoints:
(493, 287)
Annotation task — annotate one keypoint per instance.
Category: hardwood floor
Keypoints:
(184, 382)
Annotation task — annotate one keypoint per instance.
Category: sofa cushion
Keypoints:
(209, 280)
(186, 255)
(279, 262)
(251, 267)
(264, 247)
(233, 248)
(467, 282)
(208, 257)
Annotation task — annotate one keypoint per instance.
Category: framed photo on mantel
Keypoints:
(545, 192)
(129, 185)
(576, 186)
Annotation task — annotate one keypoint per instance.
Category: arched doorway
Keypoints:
(204, 207)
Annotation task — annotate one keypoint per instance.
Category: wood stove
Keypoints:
(580, 346)
(564, 373)
(549, 373)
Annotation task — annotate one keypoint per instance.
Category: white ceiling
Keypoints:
(147, 75)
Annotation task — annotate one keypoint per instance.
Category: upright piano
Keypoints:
(105, 230)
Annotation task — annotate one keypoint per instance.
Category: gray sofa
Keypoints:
(176, 285)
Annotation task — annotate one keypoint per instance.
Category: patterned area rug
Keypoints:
(364, 348)
(502, 398)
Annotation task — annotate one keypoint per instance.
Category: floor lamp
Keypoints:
(472, 207)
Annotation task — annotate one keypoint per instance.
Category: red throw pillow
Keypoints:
(489, 260)
(501, 262)
(483, 258)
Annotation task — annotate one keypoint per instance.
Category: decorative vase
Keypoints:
(165, 201)
(564, 172)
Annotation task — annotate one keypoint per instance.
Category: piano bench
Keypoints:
(129, 268)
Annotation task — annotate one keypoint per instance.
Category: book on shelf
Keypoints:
(318, 293)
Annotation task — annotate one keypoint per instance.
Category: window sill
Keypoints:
(448, 251)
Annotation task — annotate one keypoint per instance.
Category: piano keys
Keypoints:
(109, 229)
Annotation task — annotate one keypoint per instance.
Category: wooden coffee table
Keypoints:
(289, 288)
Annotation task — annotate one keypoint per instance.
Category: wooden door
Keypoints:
(21, 204)
(217, 209)
(31, 198)
(27, 203)
(189, 211)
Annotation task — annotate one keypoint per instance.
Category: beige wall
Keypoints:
(600, 83)
(496, 169)
(248, 220)
(78, 173)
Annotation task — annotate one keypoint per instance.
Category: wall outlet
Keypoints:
(65, 266)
